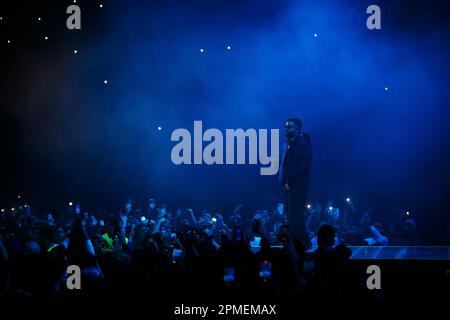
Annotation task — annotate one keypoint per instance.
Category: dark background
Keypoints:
(66, 136)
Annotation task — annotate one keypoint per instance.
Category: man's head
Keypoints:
(409, 227)
(151, 203)
(292, 127)
(325, 236)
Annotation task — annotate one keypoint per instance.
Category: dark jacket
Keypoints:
(296, 162)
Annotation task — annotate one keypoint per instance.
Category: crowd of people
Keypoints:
(154, 251)
(360, 228)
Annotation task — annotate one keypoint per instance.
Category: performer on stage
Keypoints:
(294, 174)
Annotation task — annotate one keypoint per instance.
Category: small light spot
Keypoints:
(202, 50)
(386, 88)
(228, 47)
(46, 38)
(159, 128)
(101, 6)
(70, 203)
(105, 81)
(315, 35)
(39, 19)
(9, 41)
(75, 51)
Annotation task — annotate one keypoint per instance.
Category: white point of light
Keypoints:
(39, 18)
(18, 197)
(315, 35)
(3, 210)
(331, 208)
(348, 199)
(386, 88)
(12, 209)
(228, 47)
(1, 18)
(70, 203)
(46, 38)
(159, 128)
(105, 81)
(308, 206)
(201, 50)
(75, 51)
(9, 41)
(101, 6)
(407, 213)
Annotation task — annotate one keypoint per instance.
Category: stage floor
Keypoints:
(393, 252)
(403, 253)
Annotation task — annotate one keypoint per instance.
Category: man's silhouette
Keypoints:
(294, 175)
